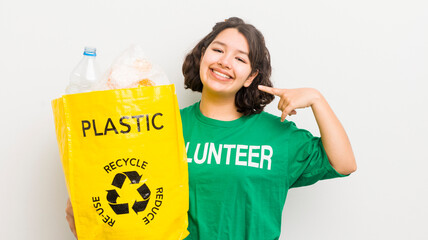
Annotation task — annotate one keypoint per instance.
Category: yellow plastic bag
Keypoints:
(124, 162)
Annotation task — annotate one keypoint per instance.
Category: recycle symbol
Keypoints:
(143, 191)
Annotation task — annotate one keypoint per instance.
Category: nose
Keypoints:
(224, 61)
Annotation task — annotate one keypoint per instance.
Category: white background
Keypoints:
(369, 58)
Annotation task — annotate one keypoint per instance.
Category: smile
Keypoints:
(221, 74)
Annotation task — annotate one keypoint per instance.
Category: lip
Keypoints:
(222, 72)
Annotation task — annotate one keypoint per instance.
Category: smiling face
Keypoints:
(225, 66)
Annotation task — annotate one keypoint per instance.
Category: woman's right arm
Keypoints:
(70, 217)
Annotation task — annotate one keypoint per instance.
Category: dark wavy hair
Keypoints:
(248, 100)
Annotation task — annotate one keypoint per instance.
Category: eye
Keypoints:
(217, 50)
(241, 60)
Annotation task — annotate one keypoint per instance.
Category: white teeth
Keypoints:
(221, 74)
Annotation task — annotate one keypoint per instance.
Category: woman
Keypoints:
(242, 161)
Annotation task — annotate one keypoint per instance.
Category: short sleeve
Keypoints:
(308, 161)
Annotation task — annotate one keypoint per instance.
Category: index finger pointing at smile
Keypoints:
(271, 90)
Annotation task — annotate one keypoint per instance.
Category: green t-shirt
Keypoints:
(240, 172)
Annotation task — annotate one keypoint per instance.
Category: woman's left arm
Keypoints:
(333, 135)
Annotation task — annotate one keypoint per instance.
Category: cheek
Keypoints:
(244, 72)
(208, 59)
(205, 61)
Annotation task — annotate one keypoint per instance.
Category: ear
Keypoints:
(250, 79)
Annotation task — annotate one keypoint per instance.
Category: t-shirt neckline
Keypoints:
(219, 123)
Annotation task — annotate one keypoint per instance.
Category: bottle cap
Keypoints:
(90, 51)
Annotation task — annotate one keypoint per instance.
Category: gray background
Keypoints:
(369, 58)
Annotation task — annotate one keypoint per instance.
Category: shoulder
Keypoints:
(188, 111)
(274, 121)
(269, 123)
(188, 108)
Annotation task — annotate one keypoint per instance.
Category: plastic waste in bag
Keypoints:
(123, 153)
(132, 69)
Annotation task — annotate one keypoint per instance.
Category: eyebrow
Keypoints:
(224, 44)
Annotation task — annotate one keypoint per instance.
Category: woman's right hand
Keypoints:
(70, 217)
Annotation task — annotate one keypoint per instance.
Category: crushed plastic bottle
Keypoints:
(85, 75)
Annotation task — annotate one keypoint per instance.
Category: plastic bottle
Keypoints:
(85, 74)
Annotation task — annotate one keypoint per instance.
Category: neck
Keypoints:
(219, 107)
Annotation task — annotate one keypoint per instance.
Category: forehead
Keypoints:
(232, 39)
